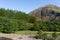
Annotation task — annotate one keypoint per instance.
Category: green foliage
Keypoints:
(39, 34)
(23, 25)
(6, 26)
(11, 21)
(45, 36)
(36, 26)
(54, 35)
(40, 26)
(31, 19)
(46, 26)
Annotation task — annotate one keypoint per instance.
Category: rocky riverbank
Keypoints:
(18, 36)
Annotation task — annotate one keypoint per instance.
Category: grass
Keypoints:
(25, 32)
(52, 32)
(32, 32)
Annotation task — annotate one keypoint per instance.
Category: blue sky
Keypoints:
(26, 5)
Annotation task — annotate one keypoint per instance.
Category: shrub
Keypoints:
(39, 35)
(6, 25)
(54, 35)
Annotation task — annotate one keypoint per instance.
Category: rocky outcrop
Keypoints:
(46, 13)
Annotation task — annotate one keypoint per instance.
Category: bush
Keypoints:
(52, 36)
(39, 25)
(23, 25)
(45, 36)
(6, 26)
(9, 28)
(39, 35)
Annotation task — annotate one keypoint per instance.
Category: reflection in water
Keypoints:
(3, 38)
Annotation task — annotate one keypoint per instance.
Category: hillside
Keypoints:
(46, 13)
(11, 20)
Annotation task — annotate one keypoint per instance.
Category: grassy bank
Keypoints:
(32, 32)
(25, 32)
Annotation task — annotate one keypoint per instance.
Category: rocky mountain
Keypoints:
(47, 13)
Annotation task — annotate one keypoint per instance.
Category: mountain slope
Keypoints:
(46, 13)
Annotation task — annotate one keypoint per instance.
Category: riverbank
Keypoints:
(18, 36)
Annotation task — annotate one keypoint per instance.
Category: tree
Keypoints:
(23, 25)
(39, 25)
(6, 26)
(31, 19)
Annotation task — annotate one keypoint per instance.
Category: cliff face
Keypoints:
(46, 13)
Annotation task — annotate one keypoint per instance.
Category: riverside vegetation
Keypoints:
(18, 22)
(12, 21)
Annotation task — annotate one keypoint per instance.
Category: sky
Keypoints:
(26, 5)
